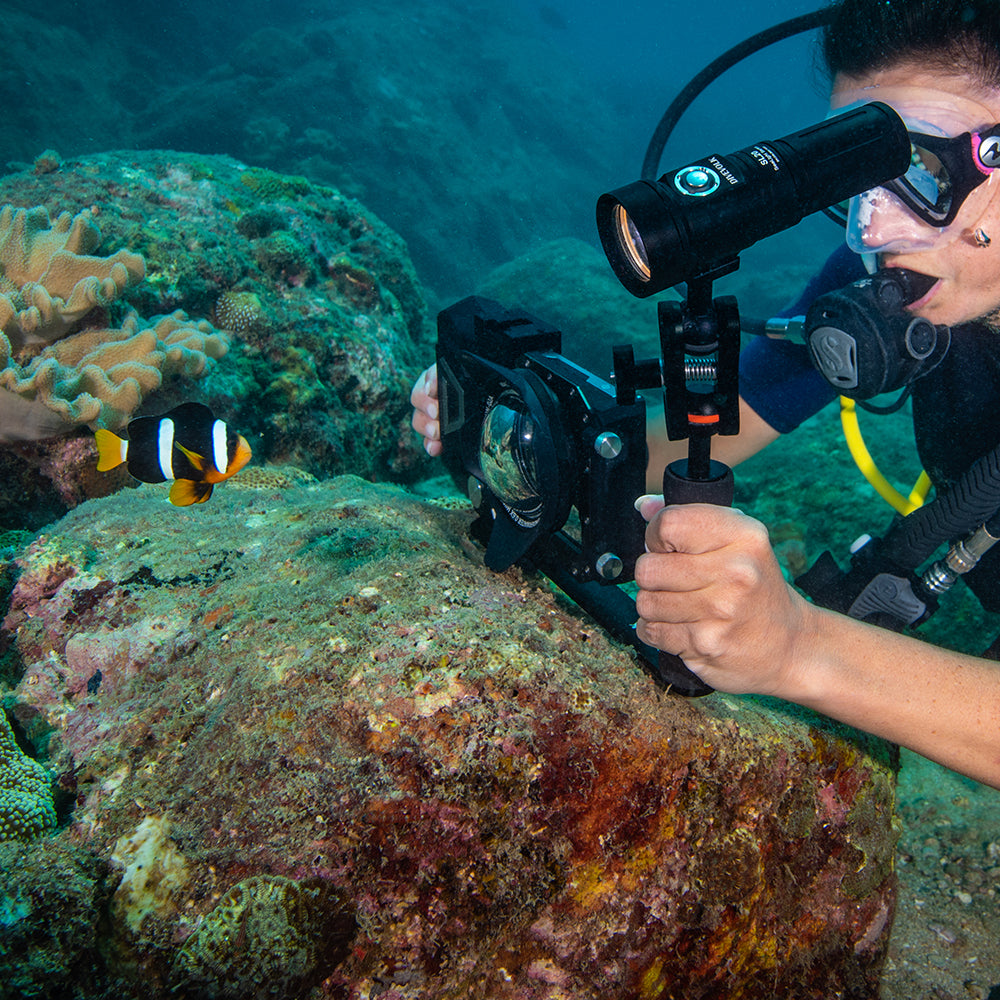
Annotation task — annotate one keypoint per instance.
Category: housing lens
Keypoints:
(507, 455)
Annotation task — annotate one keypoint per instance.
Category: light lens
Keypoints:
(631, 243)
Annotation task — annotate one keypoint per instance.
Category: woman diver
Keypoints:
(711, 589)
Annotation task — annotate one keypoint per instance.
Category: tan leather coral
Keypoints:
(62, 371)
(48, 279)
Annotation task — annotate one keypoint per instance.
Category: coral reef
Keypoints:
(369, 766)
(95, 376)
(325, 317)
(267, 929)
(26, 804)
(62, 365)
(48, 281)
(53, 900)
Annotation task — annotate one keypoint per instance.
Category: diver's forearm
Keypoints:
(941, 704)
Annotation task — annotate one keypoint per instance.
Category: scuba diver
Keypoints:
(711, 589)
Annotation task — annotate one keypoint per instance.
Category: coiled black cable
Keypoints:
(718, 66)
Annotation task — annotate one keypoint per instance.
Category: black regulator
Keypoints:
(865, 342)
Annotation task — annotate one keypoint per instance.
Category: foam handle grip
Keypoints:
(678, 488)
(673, 672)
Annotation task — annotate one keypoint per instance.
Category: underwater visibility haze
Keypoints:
(287, 736)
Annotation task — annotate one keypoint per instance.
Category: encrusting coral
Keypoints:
(26, 804)
(49, 286)
(238, 312)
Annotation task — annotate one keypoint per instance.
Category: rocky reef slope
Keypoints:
(303, 738)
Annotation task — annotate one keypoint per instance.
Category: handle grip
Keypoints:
(675, 673)
(679, 488)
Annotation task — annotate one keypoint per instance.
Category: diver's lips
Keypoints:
(925, 298)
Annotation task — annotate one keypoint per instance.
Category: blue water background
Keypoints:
(631, 58)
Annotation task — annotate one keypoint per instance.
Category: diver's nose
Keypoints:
(880, 221)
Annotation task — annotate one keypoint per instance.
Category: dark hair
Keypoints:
(868, 35)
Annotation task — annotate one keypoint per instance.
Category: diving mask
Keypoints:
(943, 192)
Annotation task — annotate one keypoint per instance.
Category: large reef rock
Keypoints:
(305, 741)
(317, 299)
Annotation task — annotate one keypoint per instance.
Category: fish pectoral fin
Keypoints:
(111, 450)
(198, 461)
(185, 492)
(241, 456)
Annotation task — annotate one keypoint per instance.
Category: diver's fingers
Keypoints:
(424, 396)
(649, 505)
(425, 426)
(429, 430)
(425, 410)
(701, 528)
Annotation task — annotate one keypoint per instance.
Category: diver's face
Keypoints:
(968, 285)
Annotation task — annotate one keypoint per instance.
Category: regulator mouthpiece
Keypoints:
(863, 340)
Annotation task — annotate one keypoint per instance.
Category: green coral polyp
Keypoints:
(27, 808)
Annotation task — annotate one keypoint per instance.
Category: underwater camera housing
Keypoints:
(530, 436)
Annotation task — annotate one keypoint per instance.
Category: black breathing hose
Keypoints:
(718, 66)
(974, 500)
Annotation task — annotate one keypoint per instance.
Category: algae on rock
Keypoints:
(344, 713)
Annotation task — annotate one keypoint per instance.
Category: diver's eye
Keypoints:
(929, 178)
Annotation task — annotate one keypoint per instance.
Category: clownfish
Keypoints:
(187, 444)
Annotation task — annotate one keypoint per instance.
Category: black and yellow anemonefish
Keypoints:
(187, 444)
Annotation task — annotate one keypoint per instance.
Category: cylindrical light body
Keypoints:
(699, 218)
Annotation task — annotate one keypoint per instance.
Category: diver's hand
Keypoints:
(424, 399)
(712, 592)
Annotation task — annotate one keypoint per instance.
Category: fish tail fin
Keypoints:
(185, 492)
(111, 450)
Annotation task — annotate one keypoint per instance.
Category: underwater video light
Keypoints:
(696, 220)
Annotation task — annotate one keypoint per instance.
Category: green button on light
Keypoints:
(697, 181)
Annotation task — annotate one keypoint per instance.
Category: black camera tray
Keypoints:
(530, 436)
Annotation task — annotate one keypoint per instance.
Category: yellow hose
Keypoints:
(864, 461)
